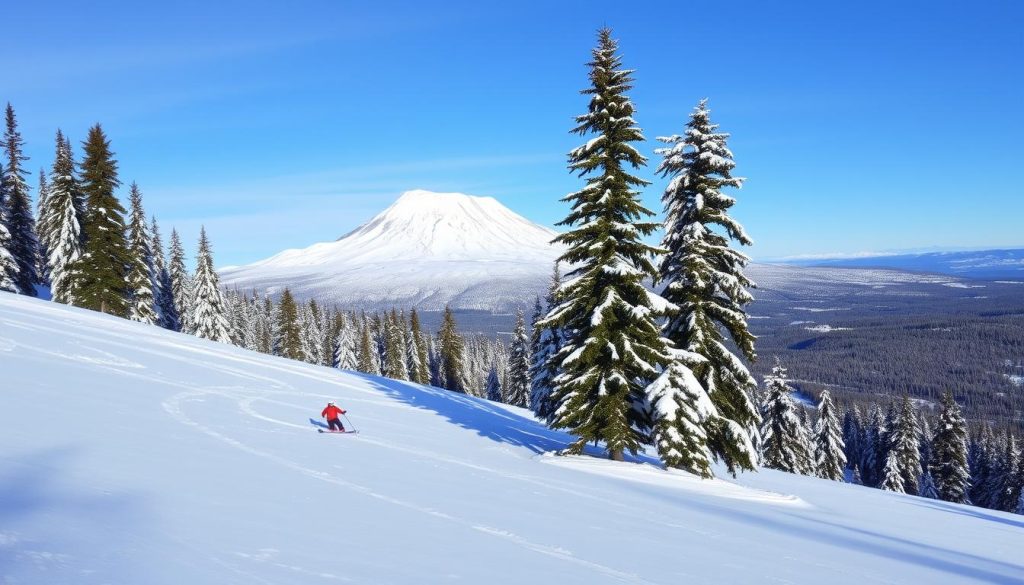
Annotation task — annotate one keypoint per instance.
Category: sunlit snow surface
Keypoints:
(134, 455)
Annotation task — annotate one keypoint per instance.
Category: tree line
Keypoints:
(897, 448)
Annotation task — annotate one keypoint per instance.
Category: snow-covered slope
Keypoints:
(134, 455)
(425, 250)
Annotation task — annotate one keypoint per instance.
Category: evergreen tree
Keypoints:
(345, 350)
(892, 475)
(547, 342)
(209, 314)
(166, 310)
(829, 456)
(494, 391)
(451, 350)
(613, 350)
(141, 282)
(1006, 484)
(105, 258)
(904, 441)
(949, 454)
(44, 229)
(517, 392)
(21, 229)
(782, 432)
(63, 224)
(367, 361)
(704, 278)
(289, 333)
(395, 364)
(421, 365)
(8, 266)
(927, 487)
(309, 324)
(181, 284)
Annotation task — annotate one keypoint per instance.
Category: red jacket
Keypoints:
(332, 412)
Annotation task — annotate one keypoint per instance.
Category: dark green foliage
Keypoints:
(613, 348)
(949, 453)
(517, 390)
(451, 352)
(103, 266)
(17, 217)
(289, 334)
(704, 280)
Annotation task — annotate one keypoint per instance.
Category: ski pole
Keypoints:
(351, 426)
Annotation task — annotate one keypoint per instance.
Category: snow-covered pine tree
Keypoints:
(166, 310)
(394, 363)
(875, 451)
(925, 453)
(517, 392)
(345, 348)
(103, 265)
(494, 390)
(8, 266)
(181, 283)
(451, 352)
(613, 348)
(141, 282)
(289, 332)
(1006, 483)
(949, 453)
(548, 340)
(422, 362)
(703, 277)
(904, 441)
(892, 475)
(829, 455)
(782, 433)
(22, 243)
(309, 323)
(44, 221)
(851, 435)
(209, 315)
(64, 224)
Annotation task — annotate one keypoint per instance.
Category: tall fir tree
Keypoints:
(451, 349)
(905, 442)
(8, 266)
(63, 224)
(422, 369)
(209, 313)
(345, 349)
(782, 433)
(547, 341)
(703, 276)
(22, 243)
(517, 392)
(829, 449)
(368, 363)
(892, 475)
(289, 331)
(394, 365)
(103, 265)
(141, 281)
(181, 283)
(949, 454)
(613, 349)
(166, 310)
(44, 228)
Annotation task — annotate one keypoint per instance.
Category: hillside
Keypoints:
(135, 455)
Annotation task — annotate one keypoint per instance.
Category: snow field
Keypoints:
(129, 454)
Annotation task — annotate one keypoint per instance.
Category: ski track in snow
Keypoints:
(173, 406)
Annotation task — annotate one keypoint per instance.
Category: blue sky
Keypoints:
(860, 126)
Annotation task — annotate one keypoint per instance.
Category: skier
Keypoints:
(331, 413)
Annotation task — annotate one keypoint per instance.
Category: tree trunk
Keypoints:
(616, 454)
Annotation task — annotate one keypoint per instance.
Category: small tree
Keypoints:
(949, 453)
(140, 270)
(829, 456)
(209, 313)
(494, 392)
(517, 393)
(452, 351)
(782, 433)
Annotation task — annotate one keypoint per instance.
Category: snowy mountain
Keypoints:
(135, 455)
(425, 250)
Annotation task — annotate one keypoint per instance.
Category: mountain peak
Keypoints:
(426, 249)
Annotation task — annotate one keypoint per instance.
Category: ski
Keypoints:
(337, 432)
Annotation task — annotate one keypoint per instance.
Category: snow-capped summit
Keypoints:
(426, 250)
